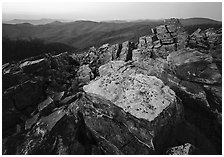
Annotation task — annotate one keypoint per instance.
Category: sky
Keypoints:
(101, 11)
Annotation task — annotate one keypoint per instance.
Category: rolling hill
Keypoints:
(83, 34)
(42, 21)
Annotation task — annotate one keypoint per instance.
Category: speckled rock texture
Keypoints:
(142, 96)
(186, 149)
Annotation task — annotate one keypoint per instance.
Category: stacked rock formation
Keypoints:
(162, 95)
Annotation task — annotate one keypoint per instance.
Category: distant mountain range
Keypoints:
(44, 21)
(83, 34)
(34, 22)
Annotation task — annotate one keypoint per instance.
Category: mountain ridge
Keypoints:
(83, 34)
(48, 20)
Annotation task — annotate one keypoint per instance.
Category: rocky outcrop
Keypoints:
(145, 97)
(162, 95)
(142, 96)
(191, 73)
(164, 40)
(205, 40)
(88, 125)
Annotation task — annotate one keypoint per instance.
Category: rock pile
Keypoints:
(162, 95)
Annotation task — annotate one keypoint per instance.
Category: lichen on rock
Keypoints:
(141, 95)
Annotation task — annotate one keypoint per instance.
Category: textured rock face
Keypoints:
(205, 40)
(142, 96)
(195, 66)
(124, 51)
(162, 95)
(88, 125)
(186, 149)
(188, 56)
(165, 39)
(84, 74)
(106, 55)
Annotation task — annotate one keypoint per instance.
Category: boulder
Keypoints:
(200, 72)
(185, 56)
(185, 149)
(90, 124)
(145, 97)
(11, 79)
(84, 74)
(61, 61)
(27, 96)
(162, 95)
(142, 43)
(46, 106)
(36, 66)
(113, 50)
(105, 54)
(57, 96)
(195, 66)
(30, 122)
(214, 96)
(148, 40)
(138, 55)
(124, 51)
(165, 39)
(137, 94)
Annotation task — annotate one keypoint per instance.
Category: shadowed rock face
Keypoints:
(162, 95)
(91, 125)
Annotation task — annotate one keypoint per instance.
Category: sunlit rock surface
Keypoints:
(142, 96)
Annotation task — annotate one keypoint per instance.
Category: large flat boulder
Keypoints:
(142, 96)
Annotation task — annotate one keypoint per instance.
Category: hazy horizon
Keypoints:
(106, 11)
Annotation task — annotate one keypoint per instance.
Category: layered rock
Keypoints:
(88, 125)
(145, 97)
(164, 40)
(132, 99)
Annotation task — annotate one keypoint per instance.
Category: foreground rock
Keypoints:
(142, 96)
(90, 125)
